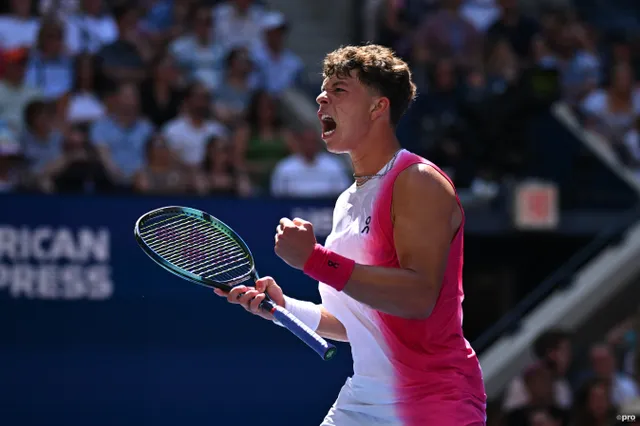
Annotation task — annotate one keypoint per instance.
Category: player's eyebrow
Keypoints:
(333, 85)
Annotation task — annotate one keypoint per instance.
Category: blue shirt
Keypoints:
(39, 152)
(54, 77)
(126, 145)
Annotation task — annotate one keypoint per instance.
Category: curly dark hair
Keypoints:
(378, 68)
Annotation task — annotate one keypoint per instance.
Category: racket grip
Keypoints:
(323, 348)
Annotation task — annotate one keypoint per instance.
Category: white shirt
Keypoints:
(86, 33)
(296, 177)
(234, 30)
(517, 395)
(189, 141)
(84, 107)
(278, 73)
(16, 32)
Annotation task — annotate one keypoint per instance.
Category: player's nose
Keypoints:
(322, 98)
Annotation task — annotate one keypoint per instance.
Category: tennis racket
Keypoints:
(200, 248)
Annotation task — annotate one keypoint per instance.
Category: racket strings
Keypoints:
(194, 245)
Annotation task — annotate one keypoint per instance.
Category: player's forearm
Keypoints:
(395, 291)
(331, 328)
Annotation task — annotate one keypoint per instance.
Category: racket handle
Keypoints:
(325, 349)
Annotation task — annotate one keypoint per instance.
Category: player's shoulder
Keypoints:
(423, 178)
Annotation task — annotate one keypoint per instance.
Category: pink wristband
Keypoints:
(329, 267)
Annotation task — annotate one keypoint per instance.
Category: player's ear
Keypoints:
(379, 108)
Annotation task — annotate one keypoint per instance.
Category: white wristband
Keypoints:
(307, 312)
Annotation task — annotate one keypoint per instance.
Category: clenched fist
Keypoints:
(295, 241)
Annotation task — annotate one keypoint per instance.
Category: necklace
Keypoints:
(361, 180)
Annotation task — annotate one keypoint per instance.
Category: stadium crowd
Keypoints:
(182, 96)
(156, 97)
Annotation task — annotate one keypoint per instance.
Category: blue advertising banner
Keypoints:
(94, 333)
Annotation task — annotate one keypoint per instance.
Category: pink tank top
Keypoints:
(425, 368)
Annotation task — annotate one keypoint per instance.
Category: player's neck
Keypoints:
(372, 156)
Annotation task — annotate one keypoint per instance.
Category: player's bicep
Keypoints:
(426, 217)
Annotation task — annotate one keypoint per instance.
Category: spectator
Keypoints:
(121, 136)
(15, 92)
(502, 67)
(198, 53)
(234, 95)
(18, 29)
(611, 112)
(544, 417)
(309, 172)
(161, 93)
(553, 349)
(518, 30)
(237, 23)
(219, 174)
(481, 13)
(124, 60)
(447, 33)
(279, 67)
(538, 383)
(78, 169)
(188, 133)
(160, 174)
(10, 156)
(621, 386)
(593, 405)
(90, 29)
(41, 144)
(49, 68)
(623, 338)
(263, 141)
(82, 103)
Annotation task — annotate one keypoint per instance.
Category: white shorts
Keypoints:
(362, 404)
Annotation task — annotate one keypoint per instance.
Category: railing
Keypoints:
(510, 322)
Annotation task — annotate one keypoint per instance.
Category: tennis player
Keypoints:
(390, 272)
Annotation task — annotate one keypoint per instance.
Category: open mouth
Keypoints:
(329, 125)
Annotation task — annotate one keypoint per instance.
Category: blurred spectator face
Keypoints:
(509, 5)
(42, 121)
(242, 4)
(445, 79)
(275, 38)
(128, 101)
(167, 71)
(51, 39)
(199, 101)
(158, 153)
(561, 357)
(308, 144)
(622, 79)
(92, 7)
(621, 52)
(451, 4)
(86, 72)
(21, 8)
(543, 418)
(266, 109)
(218, 153)
(240, 64)
(598, 401)
(602, 362)
(203, 21)
(128, 22)
(74, 140)
(539, 382)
